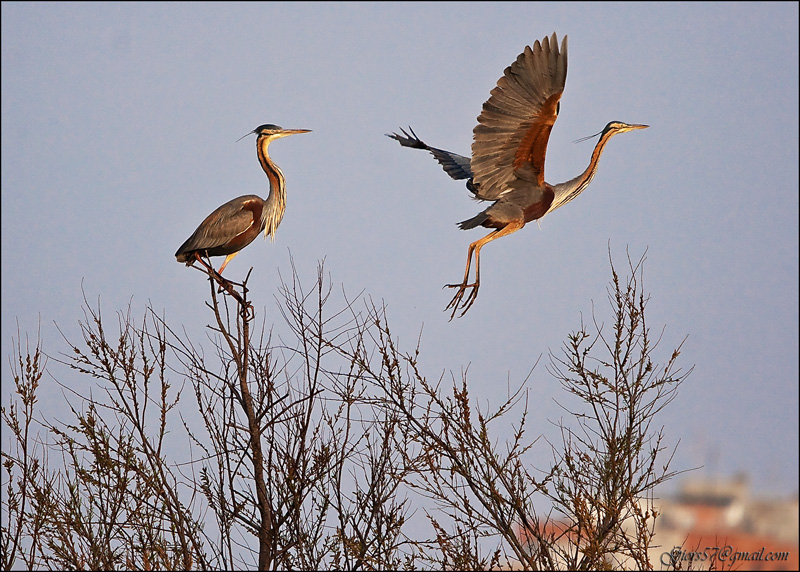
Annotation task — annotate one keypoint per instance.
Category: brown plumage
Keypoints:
(237, 223)
(508, 153)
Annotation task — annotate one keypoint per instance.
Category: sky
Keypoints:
(119, 135)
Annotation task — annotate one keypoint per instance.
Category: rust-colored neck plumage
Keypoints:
(275, 205)
(565, 192)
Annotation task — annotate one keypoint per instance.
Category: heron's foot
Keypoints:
(248, 312)
(459, 302)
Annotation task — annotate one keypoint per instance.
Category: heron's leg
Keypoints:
(470, 250)
(203, 262)
(223, 283)
(464, 284)
(227, 259)
(457, 302)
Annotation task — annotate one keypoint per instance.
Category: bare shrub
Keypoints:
(313, 448)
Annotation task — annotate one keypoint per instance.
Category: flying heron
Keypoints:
(238, 222)
(508, 153)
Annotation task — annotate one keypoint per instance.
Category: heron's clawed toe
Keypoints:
(458, 302)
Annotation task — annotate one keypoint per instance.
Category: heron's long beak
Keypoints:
(287, 132)
(278, 134)
(618, 127)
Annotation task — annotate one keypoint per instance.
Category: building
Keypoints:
(712, 524)
(716, 524)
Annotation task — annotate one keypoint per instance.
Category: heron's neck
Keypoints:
(275, 205)
(565, 192)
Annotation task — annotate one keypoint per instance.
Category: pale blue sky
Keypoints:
(119, 129)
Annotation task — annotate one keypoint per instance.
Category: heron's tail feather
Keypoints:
(473, 222)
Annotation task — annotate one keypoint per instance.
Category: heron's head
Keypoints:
(612, 129)
(272, 131)
(620, 127)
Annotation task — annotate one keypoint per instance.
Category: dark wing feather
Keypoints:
(457, 166)
(516, 120)
(222, 226)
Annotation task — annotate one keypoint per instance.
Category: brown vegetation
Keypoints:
(320, 452)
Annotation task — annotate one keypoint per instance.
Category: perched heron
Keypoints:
(508, 153)
(238, 222)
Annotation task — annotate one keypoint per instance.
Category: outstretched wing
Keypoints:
(516, 120)
(457, 166)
